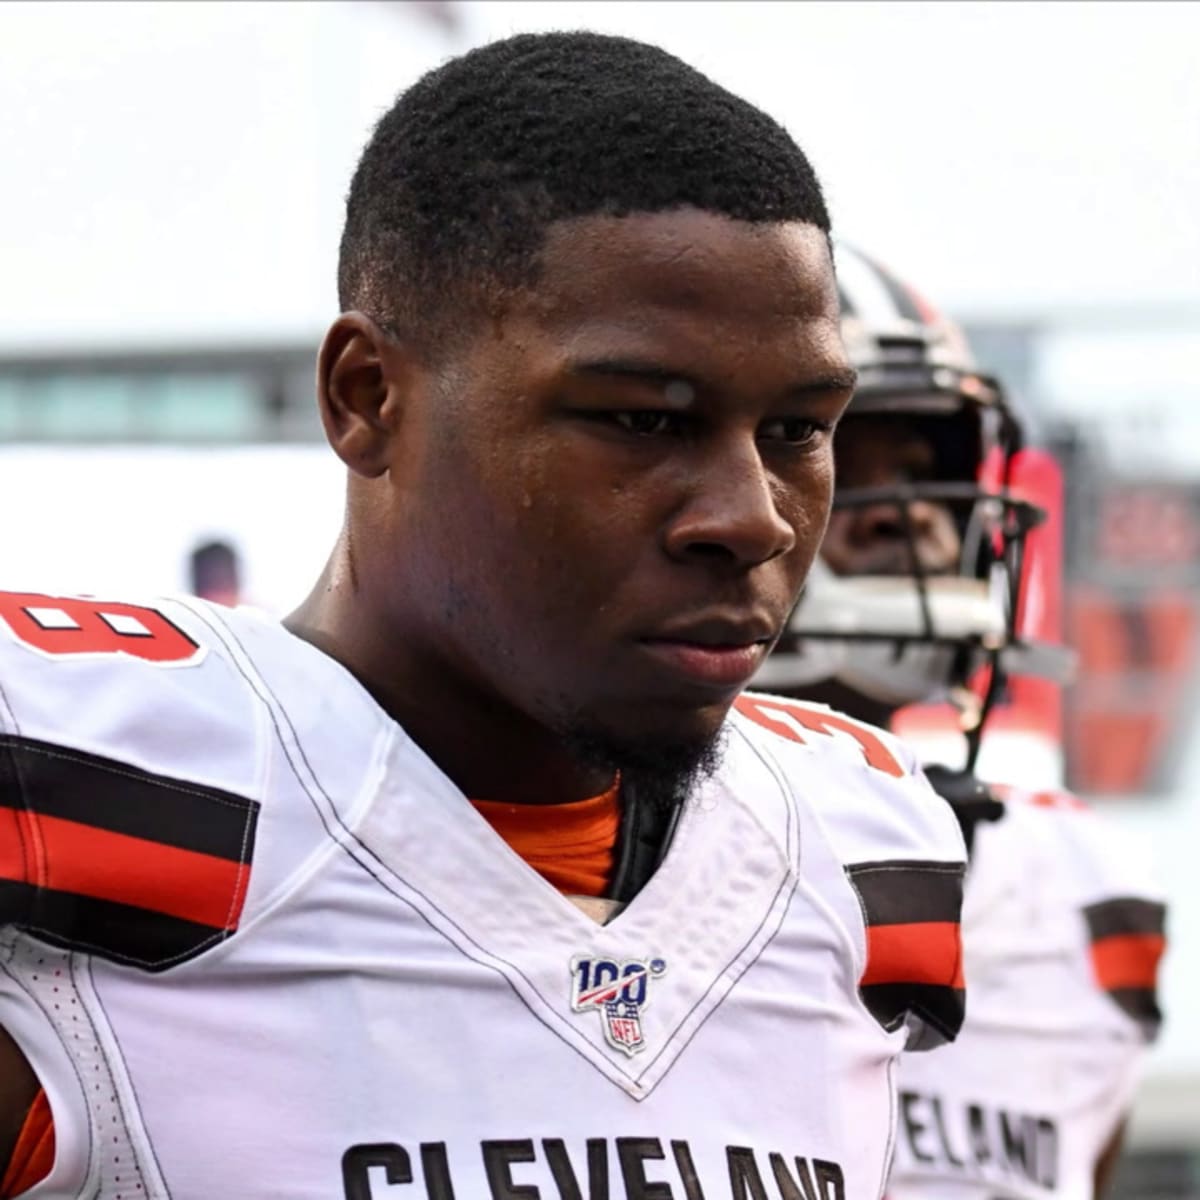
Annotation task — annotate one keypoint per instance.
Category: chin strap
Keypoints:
(971, 800)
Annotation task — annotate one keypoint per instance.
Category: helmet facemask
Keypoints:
(900, 628)
(917, 594)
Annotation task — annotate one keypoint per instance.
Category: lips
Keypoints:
(717, 652)
(716, 666)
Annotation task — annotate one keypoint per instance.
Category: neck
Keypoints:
(489, 749)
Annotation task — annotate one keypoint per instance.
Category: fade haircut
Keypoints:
(450, 203)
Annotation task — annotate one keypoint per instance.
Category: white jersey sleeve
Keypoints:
(1117, 910)
(1063, 931)
(130, 765)
(136, 755)
(902, 852)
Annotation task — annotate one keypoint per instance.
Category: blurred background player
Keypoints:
(214, 573)
(918, 598)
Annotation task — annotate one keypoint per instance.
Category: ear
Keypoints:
(363, 375)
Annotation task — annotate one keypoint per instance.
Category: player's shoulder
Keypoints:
(141, 760)
(1095, 858)
(1103, 873)
(863, 783)
(148, 682)
(899, 846)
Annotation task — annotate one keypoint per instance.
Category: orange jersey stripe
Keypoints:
(1128, 960)
(95, 862)
(921, 952)
(20, 853)
(33, 1155)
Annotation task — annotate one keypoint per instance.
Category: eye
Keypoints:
(646, 422)
(795, 431)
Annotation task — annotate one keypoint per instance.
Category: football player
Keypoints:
(917, 597)
(477, 876)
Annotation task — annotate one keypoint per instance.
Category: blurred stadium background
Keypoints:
(173, 183)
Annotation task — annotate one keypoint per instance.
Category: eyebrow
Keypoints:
(837, 380)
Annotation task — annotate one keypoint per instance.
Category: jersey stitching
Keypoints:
(927, 1014)
(253, 681)
(482, 954)
(859, 961)
(115, 768)
(918, 1007)
(907, 864)
(170, 785)
(91, 1139)
(351, 836)
(733, 982)
(162, 1179)
(134, 960)
(789, 874)
(117, 956)
(773, 768)
(140, 960)
(893, 1122)
(104, 1053)
(27, 855)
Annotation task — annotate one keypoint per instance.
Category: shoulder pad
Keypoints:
(900, 846)
(1104, 876)
(130, 757)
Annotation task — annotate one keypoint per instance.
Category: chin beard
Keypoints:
(660, 771)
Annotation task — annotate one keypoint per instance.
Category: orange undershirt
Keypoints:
(33, 1155)
(572, 846)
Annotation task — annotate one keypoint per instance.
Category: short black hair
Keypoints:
(452, 197)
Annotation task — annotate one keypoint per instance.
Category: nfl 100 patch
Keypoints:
(619, 991)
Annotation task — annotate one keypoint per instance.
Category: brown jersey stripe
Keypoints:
(1127, 944)
(126, 870)
(118, 932)
(906, 892)
(941, 1008)
(103, 792)
(1123, 915)
(1142, 1005)
(929, 952)
(911, 910)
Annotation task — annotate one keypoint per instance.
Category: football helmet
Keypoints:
(907, 629)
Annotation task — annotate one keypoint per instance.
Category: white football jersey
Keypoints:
(256, 944)
(1062, 935)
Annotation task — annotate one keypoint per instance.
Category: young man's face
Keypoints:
(604, 518)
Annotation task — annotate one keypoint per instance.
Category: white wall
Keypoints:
(121, 521)
(176, 172)
(1004, 157)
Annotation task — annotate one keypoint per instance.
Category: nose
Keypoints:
(930, 526)
(731, 513)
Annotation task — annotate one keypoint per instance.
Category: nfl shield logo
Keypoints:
(618, 991)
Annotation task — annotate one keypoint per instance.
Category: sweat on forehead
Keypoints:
(455, 190)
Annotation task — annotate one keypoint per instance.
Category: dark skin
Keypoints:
(637, 450)
(633, 456)
(871, 540)
(882, 452)
(18, 1088)
(875, 452)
